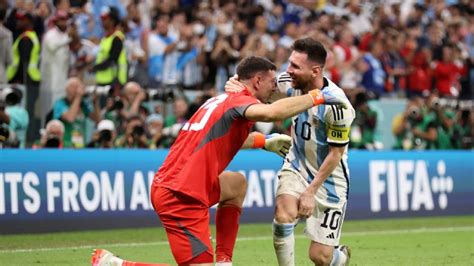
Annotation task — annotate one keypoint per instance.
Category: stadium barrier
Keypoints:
(62, 190)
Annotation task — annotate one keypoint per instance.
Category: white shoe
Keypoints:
(102, 257)
(347, 251)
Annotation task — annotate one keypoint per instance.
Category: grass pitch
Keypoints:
(414, 241)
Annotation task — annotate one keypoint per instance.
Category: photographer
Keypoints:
(14, 117)
(463, 130)
(52, 136)
(105, 135)
(154, 128)
(443, 119)
(363, 128)
(119, 108)
(413, 120)
(134, 136)
(73, 110)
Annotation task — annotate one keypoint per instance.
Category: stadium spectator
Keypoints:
(98, 7)
(346, 57)
(111, 62)
(134, 136)
(14, 114)
(73, 110)
(81, 57)
(443, 119)
(363, 129)
(160, 45)
(154, 128)
(447, 72)
(133, 96)
(403, 124)
(180, 113)
(394, 64)
(104, 137)
(52, 137)
(54, 62)
(83, 21)
(5, 46)
(419, 70)
(425, 131)
(25, 69)
(373, 79)
(136, 56)
(177, 195)
(463, 131)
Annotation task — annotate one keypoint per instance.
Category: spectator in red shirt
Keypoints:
(447, 72)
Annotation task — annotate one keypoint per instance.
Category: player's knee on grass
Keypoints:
(320, 254)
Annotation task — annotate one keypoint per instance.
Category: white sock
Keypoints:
(223, 263)
(284, 243)
(338, 258)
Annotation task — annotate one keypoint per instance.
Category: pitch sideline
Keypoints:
(159, 243)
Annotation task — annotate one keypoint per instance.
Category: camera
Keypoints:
(118, 103)
(4, 133)
(138, 131)
(164, 95)
(10, 96)
(98, 90)
(414, 112)
(52, 142)
(105, 136)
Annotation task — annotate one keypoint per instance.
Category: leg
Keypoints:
(186, 221)
(321, 254)
(324, 229)
(290, 186)
(283, 226)
(233, 187)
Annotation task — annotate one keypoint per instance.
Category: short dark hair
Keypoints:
(3, 13)
(249, 66)
(314, 49)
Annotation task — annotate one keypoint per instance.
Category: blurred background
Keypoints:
(128, 73)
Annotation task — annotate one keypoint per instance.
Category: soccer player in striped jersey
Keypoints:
(314, 180)
(192, 177)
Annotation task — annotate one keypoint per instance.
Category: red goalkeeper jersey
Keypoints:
(205, 146)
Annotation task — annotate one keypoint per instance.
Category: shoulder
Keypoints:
(236, 99)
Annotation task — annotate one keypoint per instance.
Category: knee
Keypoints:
(242, 185)
(284, 215)
(320, 258)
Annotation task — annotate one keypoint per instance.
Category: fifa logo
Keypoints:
(405, 185)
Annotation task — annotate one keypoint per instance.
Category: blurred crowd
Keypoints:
(129, 73)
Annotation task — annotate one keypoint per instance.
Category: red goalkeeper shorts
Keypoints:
(186, 221)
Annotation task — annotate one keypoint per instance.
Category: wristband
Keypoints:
(258, 140)
(317, 97)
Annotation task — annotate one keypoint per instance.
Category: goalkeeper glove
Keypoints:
(277, 143)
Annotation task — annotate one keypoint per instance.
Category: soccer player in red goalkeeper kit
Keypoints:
(192, 177)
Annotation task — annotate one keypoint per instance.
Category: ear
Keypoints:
(316, 70)
(256, 82)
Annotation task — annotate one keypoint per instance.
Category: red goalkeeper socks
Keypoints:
(227, 226)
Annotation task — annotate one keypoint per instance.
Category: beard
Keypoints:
(300, 83)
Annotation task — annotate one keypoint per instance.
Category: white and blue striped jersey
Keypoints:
(312, 132)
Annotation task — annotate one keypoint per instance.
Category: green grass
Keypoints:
(414, 241)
